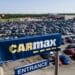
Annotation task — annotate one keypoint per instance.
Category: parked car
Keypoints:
(69, 40)
(73, 57)
(70, 50)
(45, 55)
(71, 46)
(65, 59)
(73, 40)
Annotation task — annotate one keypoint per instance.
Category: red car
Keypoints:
(70, 50)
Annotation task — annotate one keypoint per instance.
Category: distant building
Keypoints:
(69, 16)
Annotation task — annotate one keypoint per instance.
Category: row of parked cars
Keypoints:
(17, 29)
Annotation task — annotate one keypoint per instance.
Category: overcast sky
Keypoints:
(37, 6)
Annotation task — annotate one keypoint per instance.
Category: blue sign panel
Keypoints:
(28, 46)
(31, 67)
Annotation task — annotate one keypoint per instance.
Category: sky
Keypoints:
(37, 6)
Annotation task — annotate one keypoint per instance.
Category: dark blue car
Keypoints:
(65, 59)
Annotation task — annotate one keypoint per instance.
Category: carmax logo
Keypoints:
(31, 46)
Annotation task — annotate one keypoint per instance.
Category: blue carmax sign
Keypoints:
(31, 67)
(28, 46)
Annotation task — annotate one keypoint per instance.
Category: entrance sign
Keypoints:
(28, 46)
(32, 67)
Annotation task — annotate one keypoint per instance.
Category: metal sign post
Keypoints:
(57, 62)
